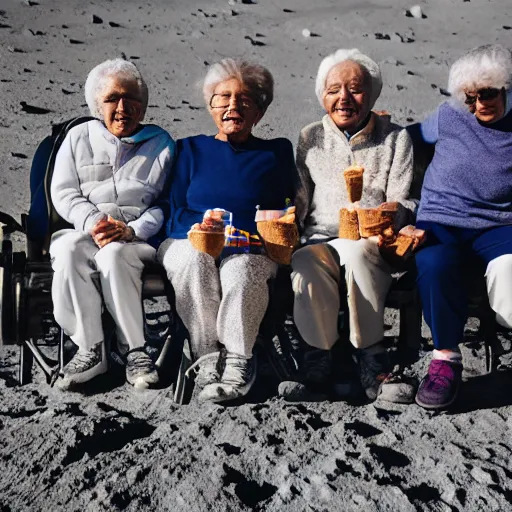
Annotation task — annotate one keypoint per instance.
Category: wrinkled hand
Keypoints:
(111, 230)
(418, 235)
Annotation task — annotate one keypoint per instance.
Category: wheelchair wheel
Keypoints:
(6, 287)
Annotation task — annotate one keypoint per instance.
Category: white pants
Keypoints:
(316, 282)
(498, 276)
(84, 274)
(225, 304)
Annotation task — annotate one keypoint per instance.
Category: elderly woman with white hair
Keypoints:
(347, 86)
(107, 177)
(223, 303)
(466, 210)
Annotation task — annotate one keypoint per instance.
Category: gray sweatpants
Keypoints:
(225, 304)
(84, 274)
(316, 281)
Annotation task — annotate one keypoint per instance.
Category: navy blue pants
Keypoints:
(450, 258)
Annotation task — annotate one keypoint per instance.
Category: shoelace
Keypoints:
(200, 361)
(140, 361)
(82, 359)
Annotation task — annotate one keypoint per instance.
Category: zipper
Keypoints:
(115, 168)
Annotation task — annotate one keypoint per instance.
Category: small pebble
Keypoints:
(416, 12)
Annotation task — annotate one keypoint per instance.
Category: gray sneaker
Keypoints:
(205, 369)
(84, 366)
(374, 367)
(141, 371)
(317, 366)
(236, 381)
(398, 387)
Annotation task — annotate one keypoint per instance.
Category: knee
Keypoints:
(247, 270)
(361, 253)
(434, 262)
(182, 260)
(309, 259)
(114, 257)
(500, 267)
(68, 251)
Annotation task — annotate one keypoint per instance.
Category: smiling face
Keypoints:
(346, 95)
(487, 104)
(234, 111)
(121, 105)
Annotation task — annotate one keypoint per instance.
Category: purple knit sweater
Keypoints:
(468, 184)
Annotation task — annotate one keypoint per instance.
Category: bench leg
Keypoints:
(488, 331)
(411, 318)
(184, 385)
(25, 366)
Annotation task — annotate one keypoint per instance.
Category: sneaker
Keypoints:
(374, 367)
(317, 366)
(84, 366)
(206, 370)
(236, 381)
(141, 371)
(440, 387)
(398, 388)
(293, 391)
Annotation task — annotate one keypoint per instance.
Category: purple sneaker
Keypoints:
(439, 388)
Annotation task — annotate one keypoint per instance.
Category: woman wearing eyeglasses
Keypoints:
(222, 305)
(108, 175)
(466, 210)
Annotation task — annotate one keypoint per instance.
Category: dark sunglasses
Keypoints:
(489, 93)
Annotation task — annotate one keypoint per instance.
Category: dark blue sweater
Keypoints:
(209, 173)
(468, 184)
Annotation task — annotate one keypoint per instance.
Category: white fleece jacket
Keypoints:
(384, 150)
(96, 174)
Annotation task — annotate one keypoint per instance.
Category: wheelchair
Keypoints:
(26, 317)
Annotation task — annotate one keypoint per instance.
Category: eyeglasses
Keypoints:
(489, 93)
(116, 98)
(223, 101)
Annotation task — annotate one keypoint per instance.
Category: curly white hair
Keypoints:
(258, 80)
(99, 76)
(354, 55)
(485, 66)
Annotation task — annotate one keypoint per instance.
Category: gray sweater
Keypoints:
(323, 152)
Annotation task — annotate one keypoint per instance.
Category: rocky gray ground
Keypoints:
(114, 449)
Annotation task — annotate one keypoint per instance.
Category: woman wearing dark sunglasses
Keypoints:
(466, 210)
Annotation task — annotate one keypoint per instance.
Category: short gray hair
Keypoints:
(485, 66)
(258, 80)
(98, 77)
(354, 55)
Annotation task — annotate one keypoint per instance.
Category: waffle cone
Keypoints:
(349, 224)
(373, 221)
(397, 251)
(280, 240)
(206, 241)
(354, 181)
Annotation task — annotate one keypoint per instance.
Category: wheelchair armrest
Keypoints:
(10, 224)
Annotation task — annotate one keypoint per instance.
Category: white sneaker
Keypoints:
(205, 369)
(84, 366)
(236, 381)
(141, 371)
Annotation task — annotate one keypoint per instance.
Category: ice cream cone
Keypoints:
(349, 224)
(373, 221)
(279, 239)
(354, 181)
(207, 241)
